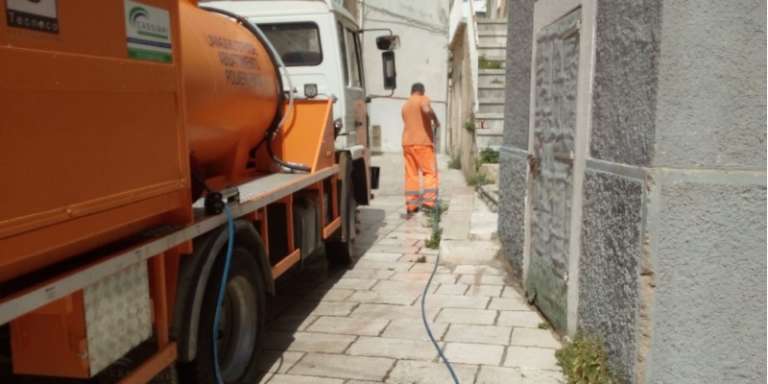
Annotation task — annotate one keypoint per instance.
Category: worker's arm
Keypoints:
(426, 108)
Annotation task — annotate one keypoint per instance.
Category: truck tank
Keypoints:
(103, 114)
(231, 90)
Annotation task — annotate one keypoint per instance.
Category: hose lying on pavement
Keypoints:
(435, 227)
(426, 323)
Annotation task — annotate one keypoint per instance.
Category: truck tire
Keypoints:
(241, 327)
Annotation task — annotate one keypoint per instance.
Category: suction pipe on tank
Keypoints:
(278, 61)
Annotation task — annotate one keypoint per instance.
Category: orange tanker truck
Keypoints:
(158, 179)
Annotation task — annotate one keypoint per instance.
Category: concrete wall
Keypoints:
(461, 93)
(711, 97)
(671, 266)
(708, 259)
(513, 167)
(422, 57)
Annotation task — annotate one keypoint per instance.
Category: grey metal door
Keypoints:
(556, 72)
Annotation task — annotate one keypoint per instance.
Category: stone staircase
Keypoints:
(489, 120)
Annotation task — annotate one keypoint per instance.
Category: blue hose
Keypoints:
(222, 288)
(435, 228)
(426, 324)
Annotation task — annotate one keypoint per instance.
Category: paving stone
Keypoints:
(428, 251)
(415, 258)
(393, 248)
(400, 287)
(387, 266)
(482, 279)
(482, 334)
(468, 252)
(512, 293)
(456, 301)
(291, 323)
(396, 241)
(394, 348)
(477, 269)
(508, 304)
(381, 256)
(343, 366)
(322, 308)
(521, 319)
(483, 225)
(334, 294)
(455, 227)
(422, 372)
(422, 277)
(531, 358)
(307, 342)
(498, 375)
(452, 289)
(376, 297)
(543, 377)
(386, 311)
(466, 316)
(474, 353)
(373, 274)
(428, 267)
(413, 330)
(534, 338)
(409, 235)
(349, 326)
(484, 290)
(277, 361)
(354, 283)
(294, 379)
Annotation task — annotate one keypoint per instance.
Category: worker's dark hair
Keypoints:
(417, 87)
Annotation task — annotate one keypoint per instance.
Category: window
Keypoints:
(354, 60)
(297, 43)
(343, 49)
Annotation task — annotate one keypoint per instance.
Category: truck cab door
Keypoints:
(355, 119)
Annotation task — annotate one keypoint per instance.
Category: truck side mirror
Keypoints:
(388, 42)
(390, 74)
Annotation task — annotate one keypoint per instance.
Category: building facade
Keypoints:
(633, 180)
(422, 57)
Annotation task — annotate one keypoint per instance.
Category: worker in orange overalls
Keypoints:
(419, 151)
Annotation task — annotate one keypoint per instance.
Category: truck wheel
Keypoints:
(240, 328)
(339, 251)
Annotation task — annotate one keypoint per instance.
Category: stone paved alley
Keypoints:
(363, 325)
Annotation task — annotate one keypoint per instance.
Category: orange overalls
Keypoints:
(419, 153)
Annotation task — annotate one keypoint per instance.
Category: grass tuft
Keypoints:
(484, 63)
(455, 162)
(434, 240)
(478, 179)
(489, 156)
(584, 362)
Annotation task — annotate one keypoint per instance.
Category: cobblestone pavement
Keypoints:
(363, 325)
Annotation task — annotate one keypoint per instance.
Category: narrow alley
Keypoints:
(363, 325)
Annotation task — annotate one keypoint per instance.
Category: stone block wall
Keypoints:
(671, 266)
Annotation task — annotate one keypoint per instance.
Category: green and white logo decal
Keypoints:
(148, 32)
